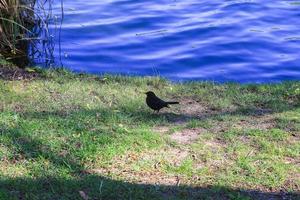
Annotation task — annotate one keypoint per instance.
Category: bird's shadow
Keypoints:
(165, 116)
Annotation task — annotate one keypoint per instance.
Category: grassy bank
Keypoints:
(66, 136)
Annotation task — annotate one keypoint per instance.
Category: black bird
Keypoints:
(156, 103)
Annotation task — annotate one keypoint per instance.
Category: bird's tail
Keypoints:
(172, 102)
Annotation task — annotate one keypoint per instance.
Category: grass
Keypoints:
(63, 134)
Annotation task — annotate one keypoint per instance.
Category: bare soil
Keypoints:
(14, 73)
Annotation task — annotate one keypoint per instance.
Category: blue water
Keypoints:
(225, 40)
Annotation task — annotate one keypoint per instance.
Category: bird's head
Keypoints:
(150, 93)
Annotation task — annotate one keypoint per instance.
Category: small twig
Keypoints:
(100, 188)
(13, 78)
(83, 195)
(156, 165)
(250, 152)
(178, 181)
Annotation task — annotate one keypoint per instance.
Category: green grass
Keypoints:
(63, 133)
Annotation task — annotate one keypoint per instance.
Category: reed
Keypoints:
(16, 20)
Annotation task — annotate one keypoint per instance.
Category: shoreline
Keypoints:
(9, 70)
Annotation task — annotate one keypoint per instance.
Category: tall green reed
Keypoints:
(24, 30)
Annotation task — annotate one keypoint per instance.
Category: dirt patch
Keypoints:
(223, 120)
(215, 144)
(293, 161)
(13, 73)
(187, 136)
(192, 108)
(161, 129)
(263, 122)
(189, 109)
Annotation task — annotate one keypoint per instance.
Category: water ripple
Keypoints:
(243, 41)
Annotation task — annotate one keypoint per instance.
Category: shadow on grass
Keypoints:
(98, 187)
(138, 116)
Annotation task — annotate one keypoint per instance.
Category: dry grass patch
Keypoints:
(146, 167)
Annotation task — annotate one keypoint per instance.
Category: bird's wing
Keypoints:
(160, 101)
